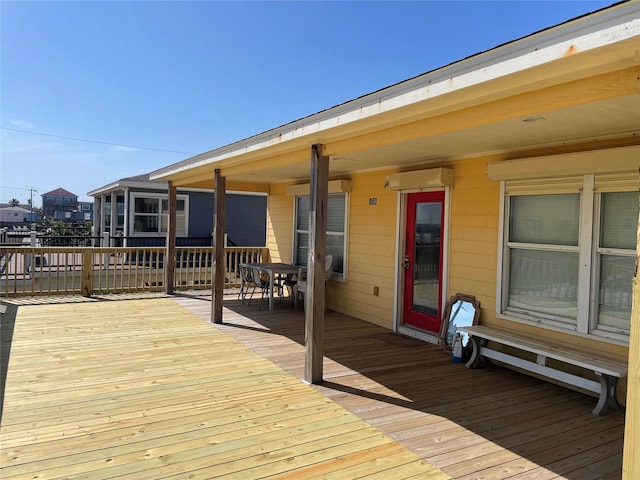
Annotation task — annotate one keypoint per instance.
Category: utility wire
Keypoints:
(96, 141)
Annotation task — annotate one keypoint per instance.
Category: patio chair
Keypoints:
(246, 284)
(301, 284)
(261, 283)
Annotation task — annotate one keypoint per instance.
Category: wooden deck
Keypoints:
(145, 389)
(489, 423)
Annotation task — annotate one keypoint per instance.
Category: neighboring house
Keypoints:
(13, 215)
(31, 215)
(138, 207)
(62, 205)
(511, 175)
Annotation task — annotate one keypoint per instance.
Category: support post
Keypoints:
(217, 287)
(315, 295)
(170, 254)
(630, 459)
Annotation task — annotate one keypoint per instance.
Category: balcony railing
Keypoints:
(32, 271)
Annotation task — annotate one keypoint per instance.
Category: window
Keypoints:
(336, 230)
(119, 215)
(151, 214)
(569, 257)
(615, 259)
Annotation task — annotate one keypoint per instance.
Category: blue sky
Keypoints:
(158, 82)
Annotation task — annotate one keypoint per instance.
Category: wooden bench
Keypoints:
(609, 371)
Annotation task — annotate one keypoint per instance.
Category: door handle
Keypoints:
(407, 263)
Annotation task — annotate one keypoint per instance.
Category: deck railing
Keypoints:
(31, 271)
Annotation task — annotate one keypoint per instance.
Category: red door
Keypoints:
(423, 260)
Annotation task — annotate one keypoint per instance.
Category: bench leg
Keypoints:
(608, 397)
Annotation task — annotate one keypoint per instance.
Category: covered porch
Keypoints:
(474, 145)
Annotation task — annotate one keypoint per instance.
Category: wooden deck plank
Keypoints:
(492, 423)
(146, 389)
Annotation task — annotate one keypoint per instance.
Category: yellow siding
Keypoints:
(473, 233)
(280, 225)
(371, 253)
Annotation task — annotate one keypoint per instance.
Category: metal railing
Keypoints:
(33, 271)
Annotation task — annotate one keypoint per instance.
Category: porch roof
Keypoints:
(578, 78)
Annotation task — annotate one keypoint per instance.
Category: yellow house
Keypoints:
(511, 175)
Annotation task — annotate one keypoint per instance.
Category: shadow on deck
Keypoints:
(487, 423)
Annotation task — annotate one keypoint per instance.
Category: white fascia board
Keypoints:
(597, 30)
(120, 185)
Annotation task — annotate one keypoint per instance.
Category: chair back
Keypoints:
(245, 272)
(257, 279)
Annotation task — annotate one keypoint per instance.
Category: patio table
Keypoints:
(273, 269)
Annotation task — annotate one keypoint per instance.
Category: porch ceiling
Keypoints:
(610, 119)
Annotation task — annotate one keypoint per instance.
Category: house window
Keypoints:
(569, 258)
(119, 215)
(151, 214)
(336, 230)
(615, 259)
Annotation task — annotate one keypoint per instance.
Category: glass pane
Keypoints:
(147, 205)
(145, 223)
(616, 274)
(302, 213)
(180, 224)
(302, 250)
(179, 206)
(335, 247)
(107, 212)
(544, 282)
(335, 213)
(545, 219)
(619, 220)
(426, 283)
(120, 211)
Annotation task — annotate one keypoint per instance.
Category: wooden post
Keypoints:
(315, 294)
(217, 288)
(170, 254)
(86, 283)
(630, 461)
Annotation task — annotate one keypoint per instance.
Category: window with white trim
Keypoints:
(151, 214)
(569, 255)
(336, 230)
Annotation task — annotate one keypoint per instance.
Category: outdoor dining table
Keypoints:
(273, 269)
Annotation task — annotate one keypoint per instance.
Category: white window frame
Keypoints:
(159, 197)
(336, 275)
(586, 323)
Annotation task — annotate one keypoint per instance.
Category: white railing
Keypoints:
(31, 271)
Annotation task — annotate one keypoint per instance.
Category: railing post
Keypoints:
(105, 244)
(87, 272)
